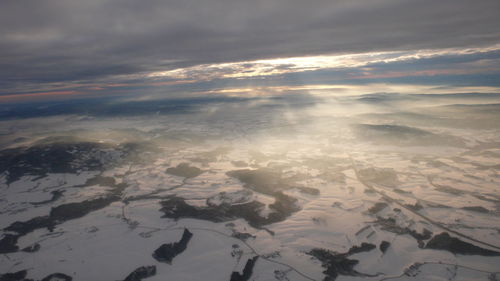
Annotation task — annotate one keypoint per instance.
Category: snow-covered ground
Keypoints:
(276, 183)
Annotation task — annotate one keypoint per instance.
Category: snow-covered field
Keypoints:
(342, 189)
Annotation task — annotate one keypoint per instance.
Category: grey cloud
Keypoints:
(56, 40)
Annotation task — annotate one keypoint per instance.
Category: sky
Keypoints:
(56, 49)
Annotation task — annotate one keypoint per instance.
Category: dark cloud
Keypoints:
(61, 40)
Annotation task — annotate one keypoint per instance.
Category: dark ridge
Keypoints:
(338, 263)
(401, 191)
(242, 235)
(454, 245)
(369, 190)
(141, 273)
(390, 225)
(262, 180)
(16, 276)
(239, 164)
(25, 227)
(167, 252)
(57, 277)
(365, 247)
(57, 216)
(384, 245)
(176, 207)
(308, 190)
(284, 205)
(379, 206)
(185, 171)
(66, 155)
(99, 180)
(8, 244)
(449, 189)
(268, 180)
(415, 207)
(31, 248)
(426, 234)
(56, 194)
(247, 271)
(77, 210)
(478, 209)
(44, 158)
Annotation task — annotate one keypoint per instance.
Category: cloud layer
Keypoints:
(56, 41)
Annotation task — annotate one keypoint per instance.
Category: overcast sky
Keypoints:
(49, 43)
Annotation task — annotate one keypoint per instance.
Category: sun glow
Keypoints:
(277, 66)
